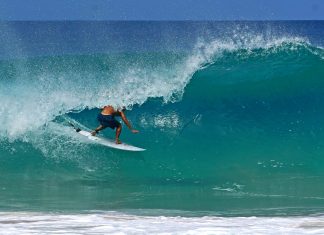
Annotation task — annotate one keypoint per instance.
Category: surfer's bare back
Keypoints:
(107, 119)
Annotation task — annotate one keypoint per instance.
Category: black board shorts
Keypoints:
(108, 121)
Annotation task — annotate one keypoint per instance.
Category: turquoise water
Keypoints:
(233, 125)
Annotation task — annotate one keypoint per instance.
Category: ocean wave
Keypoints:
(45, 88)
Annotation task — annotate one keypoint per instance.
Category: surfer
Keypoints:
(107, 119)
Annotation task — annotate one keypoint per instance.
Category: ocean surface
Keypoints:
(231, 115)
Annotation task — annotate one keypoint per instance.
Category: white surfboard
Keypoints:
(107, 142)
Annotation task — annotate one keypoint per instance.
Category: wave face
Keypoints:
(230, 113)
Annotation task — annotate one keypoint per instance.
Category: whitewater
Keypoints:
(230, 113)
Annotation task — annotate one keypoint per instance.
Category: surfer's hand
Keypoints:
(135, 131)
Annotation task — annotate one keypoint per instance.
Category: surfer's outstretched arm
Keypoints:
(123, 116)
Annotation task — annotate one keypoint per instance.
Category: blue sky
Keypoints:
(161, 9)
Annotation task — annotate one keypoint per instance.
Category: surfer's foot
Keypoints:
(93, 133)
(118, 141)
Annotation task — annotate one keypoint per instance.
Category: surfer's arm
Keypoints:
(123, 116)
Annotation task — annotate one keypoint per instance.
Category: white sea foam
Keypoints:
(169, 120)
(116, 223)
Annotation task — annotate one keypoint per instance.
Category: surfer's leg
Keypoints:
(99, 128)
(118, 131)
